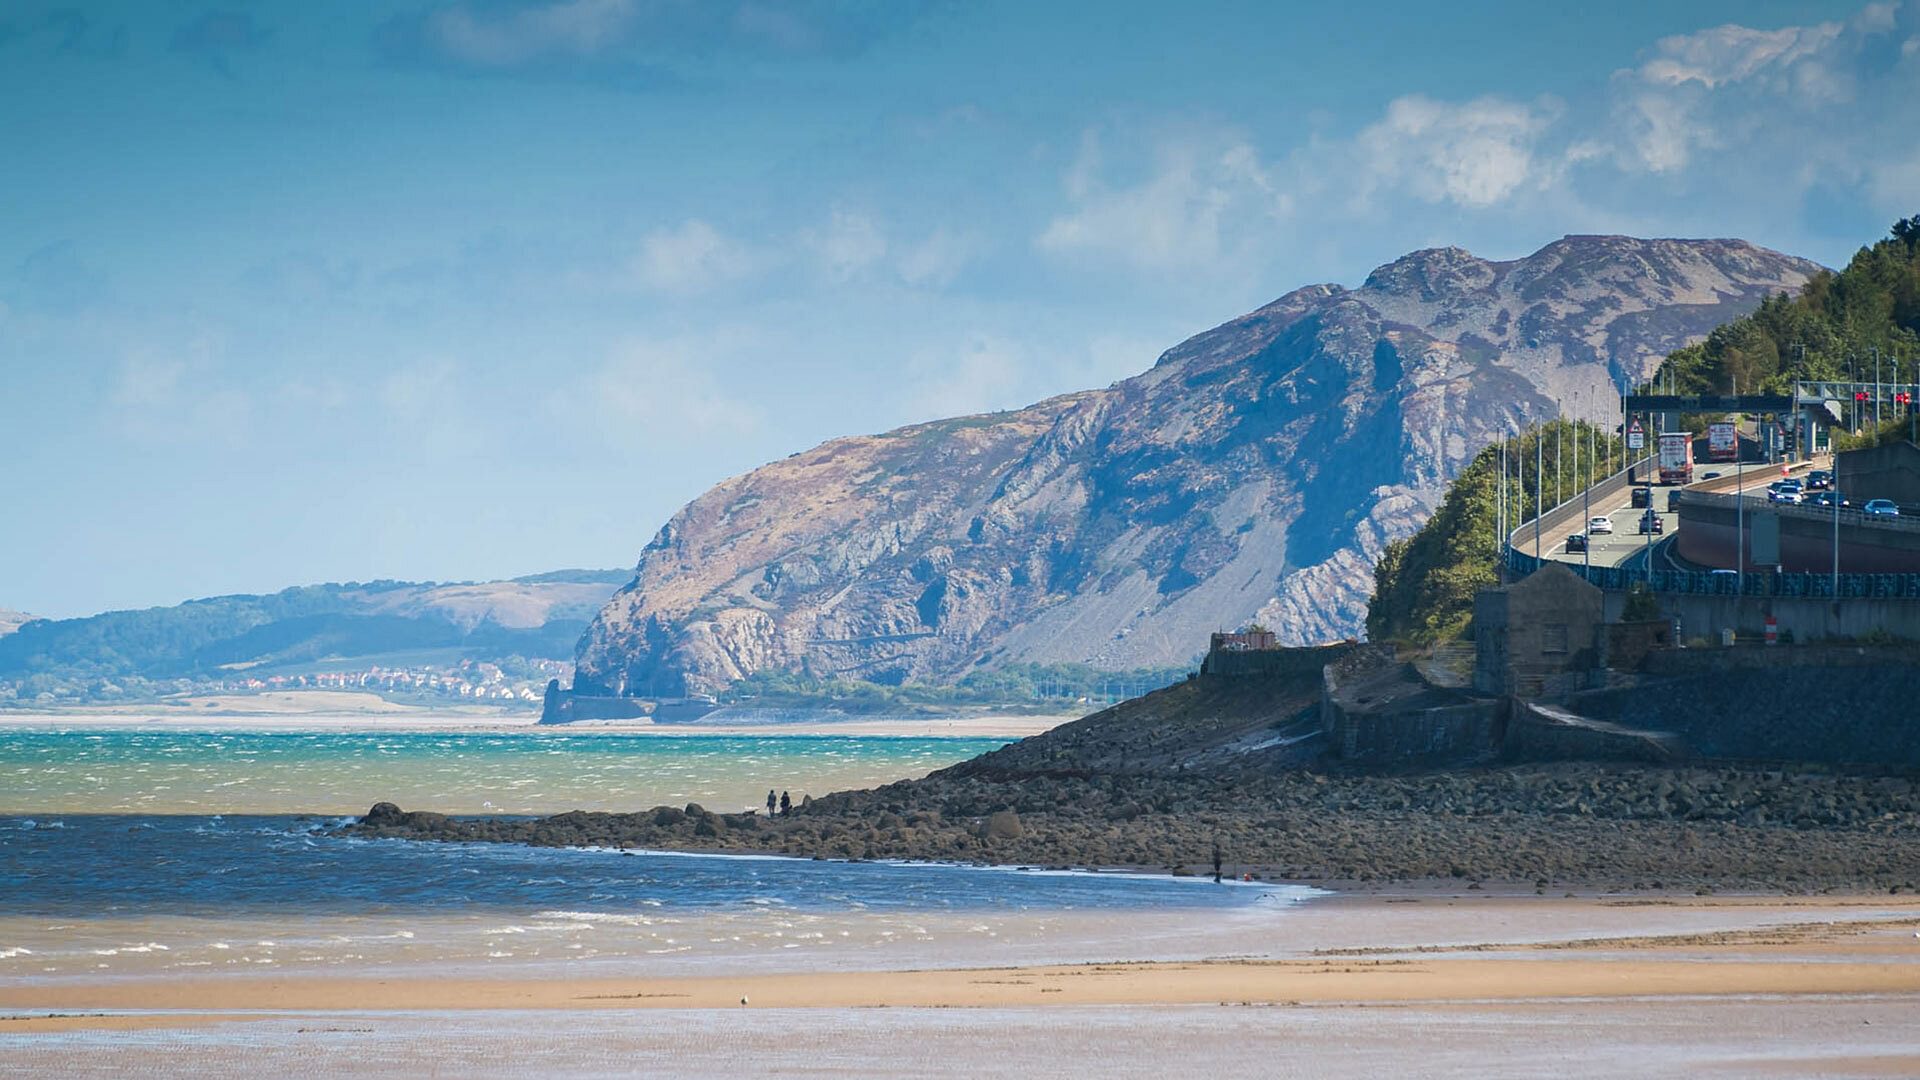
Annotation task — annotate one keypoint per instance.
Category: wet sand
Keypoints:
(1659, 1038)
(1789, 988)
(1743, 949)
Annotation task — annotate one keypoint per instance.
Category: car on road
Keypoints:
(1576, 542)
(1784, 491)
(1642, 496)
(1650, 523)
(1828, 500)
(1819, 480)
(1880, 508)
(1599, 525)
(1709, 476)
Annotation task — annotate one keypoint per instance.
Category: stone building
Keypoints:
(1252, 639)
(1538, 631)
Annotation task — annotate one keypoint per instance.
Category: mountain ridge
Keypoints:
(539, 615)
(1255, 471)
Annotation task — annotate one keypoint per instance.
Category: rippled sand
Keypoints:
(1833, 992)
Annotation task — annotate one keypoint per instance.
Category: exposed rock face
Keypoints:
(11, 620)
(1256, 471)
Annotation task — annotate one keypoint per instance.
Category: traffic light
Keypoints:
(1859, 396)
(1902, 398)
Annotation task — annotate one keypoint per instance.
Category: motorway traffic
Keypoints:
(1624, 543)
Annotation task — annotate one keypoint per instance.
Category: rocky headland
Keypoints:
(1159, 781)
(1256, 471)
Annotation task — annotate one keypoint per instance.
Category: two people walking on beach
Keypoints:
(785, 804)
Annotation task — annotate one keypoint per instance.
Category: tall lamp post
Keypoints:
(1539, 488)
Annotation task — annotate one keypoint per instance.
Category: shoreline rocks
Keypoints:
(1584, 825)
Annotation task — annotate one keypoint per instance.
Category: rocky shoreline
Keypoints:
(1548, 826)
(1158, 781)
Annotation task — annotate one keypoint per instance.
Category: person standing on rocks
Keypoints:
(1216, 862)
(770, 802)
(786, 804)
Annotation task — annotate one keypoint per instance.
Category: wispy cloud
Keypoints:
(847, 245)
(178, 396)
(693, 257)
(650, 390)
(1205, 195)
(633, 42)
(1731, 116)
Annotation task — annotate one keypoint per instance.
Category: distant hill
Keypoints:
(11, 620)
(536, 617)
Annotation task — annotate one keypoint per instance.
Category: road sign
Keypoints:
(1636, 436)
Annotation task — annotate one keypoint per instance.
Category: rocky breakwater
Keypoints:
(1159, 781)
(1256, 471)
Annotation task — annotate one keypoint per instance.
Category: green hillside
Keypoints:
(1423, 585)
(1834, 328)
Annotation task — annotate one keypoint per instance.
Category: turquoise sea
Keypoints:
(143, 851)
(171, 771)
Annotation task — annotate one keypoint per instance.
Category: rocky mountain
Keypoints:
(1256, 471)
(11, 620)
(537, 616)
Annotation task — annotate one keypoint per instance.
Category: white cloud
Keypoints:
(936, 260)
(985, 374)
(1731, 130)
(571, 28)
(847, 245)
(1727, 54)
(649, 390)
(693, 257)
(1474, 154)
(1202, 187)
(1754, 93)
(178, 397)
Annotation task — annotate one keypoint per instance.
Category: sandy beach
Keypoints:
(1834, 992)
(1745, 947)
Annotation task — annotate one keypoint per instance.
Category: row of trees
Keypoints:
(1834, 329)
(1423, 586)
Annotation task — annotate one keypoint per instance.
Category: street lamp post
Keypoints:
(1835, 489)
(1586, 504)
(1539, 488)
(1740, 515)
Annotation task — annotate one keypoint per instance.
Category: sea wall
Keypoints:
(1543, 733)
(565, 707)
(1836, 713)
(1467, 731)
(1278, 663)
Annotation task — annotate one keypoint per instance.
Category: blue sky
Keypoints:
(462, 289)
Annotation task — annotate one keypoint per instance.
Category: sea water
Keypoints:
(85, 893)
(172, 771)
